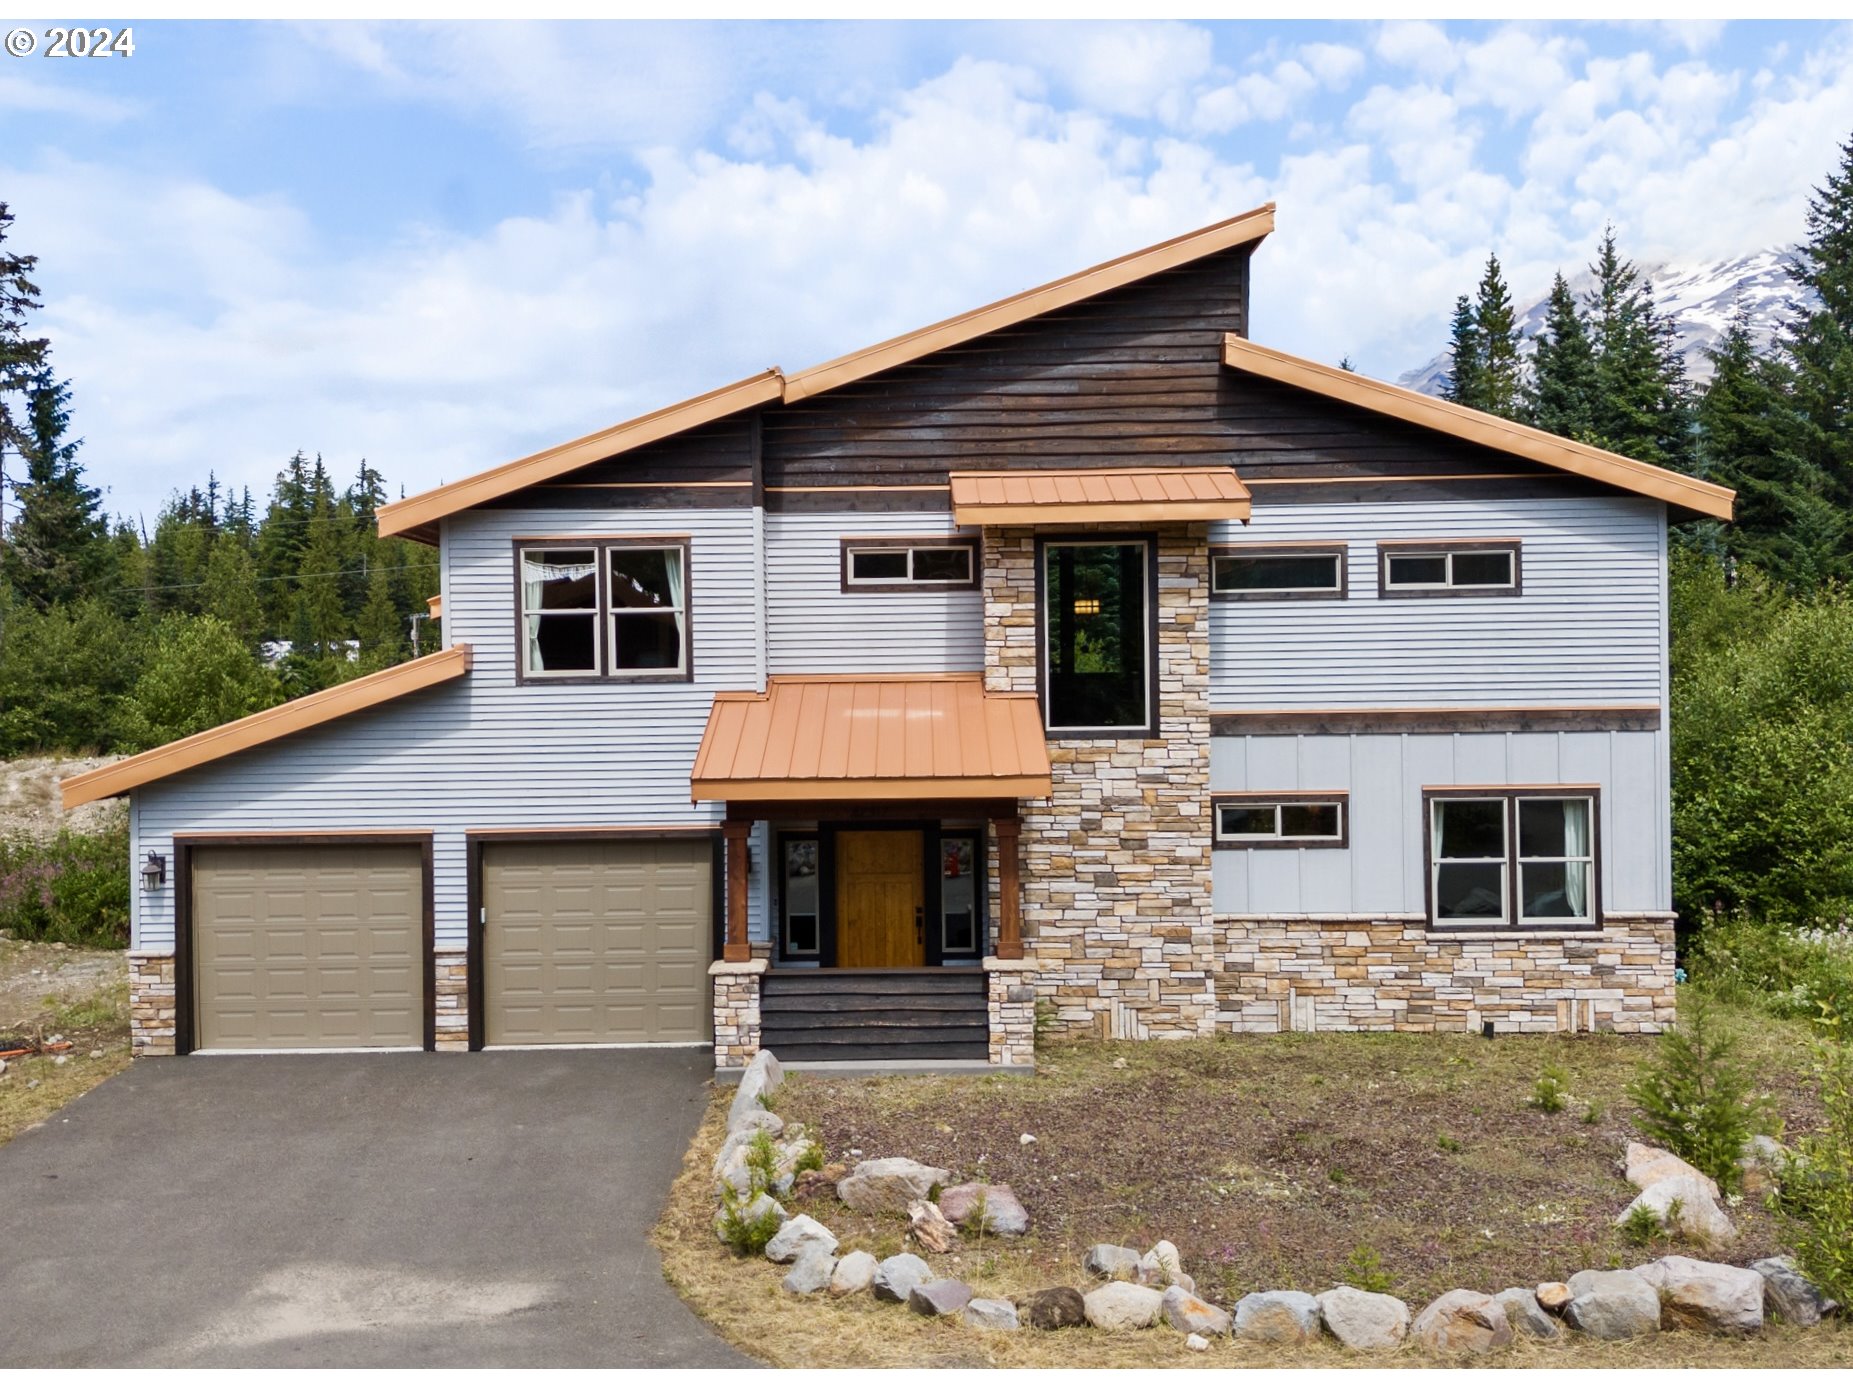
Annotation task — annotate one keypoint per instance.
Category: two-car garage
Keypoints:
(327, 942)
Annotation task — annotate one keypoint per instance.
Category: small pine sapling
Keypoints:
(1695, 1098)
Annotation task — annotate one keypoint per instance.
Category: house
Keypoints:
(1074, 664)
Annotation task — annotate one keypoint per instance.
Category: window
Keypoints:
(890, 565)
(1435, 569)
(1276, 572)
(798, 897)
(959, 897)
(1512, 859)
(1282, 820)
(1096, 634)
(611, 609)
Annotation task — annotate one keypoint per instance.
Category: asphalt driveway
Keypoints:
(488, 1209)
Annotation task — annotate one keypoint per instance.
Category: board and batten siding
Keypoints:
(813, 627)
(483, 752)
(1384, 868)
(1588, 627)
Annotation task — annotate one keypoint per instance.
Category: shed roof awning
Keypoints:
(1043, 496)
(871, 737)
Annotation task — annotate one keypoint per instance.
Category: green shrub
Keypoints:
(74, 888)
(809, 1160)
(743, 1231)
(1784, 970)
(1642, 1226)
(1695, 1099)
(1814, 1192)
(762, 1161)
(1551, 1091)
(1364, 1270)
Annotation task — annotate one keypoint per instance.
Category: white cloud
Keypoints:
(1132, 69)
(1417, 44)
(19, 93)
(1334, 64)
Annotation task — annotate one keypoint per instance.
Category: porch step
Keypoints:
(875, 1015)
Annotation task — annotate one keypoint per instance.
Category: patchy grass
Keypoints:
(1270, 1161)
(48, 991)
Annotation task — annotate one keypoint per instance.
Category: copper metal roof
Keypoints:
(871, 737)
(1038, 496)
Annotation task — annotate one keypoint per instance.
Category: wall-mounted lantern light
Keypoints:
(154, 871)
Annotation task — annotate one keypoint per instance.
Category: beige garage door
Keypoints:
(308, 946)
(596, 941)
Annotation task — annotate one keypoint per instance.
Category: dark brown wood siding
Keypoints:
(709, 466)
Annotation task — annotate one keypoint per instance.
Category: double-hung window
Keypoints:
(1523, 859)
(609, 609)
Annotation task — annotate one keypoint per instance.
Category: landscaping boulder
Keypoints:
(1185, 1311)
(813, 1177)
(1283, 1318)
(750, 1213)
(1054, 1309)
(1160, 1266)
(1685, 1206)
(1553, 1297)
(993, 1205)
(898, 1276)
(940, 1298)
(1114, 1261)
(1699, 1296)
(1123, 1307)
(762, 1076)
(1762, 1163)
(1462, 1322)
(1647, 1166)
(1196, 1343)
(931, 1228)
(795, 1236)
(1612, 1305)
(854, 1273)
(1527, 1314)
(990, 1314)
(810, 1273)
(1788, 1293)
(1364, 1321)
(752, 1121)
(889, 1184)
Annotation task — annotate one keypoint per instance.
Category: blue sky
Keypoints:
(440, 246)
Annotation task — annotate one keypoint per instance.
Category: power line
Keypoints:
(277, 578)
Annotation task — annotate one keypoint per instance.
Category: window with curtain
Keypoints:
(1512, 860)
(610, 609)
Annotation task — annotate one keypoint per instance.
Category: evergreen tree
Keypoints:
(1640, 405)
(1819, 342)
(57, 544)
(1463, 381)
(229, 590)
(1499, 382)
(382, 635)
(22, 358)
(280, 541)
(323, 618)
(1562, 398)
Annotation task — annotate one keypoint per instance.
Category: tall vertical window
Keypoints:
(610, 609)
(1096, 635)
(799, 894)
(958, 893)
(1525, 859)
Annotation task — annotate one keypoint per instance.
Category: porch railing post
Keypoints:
(734, 834)
(1009, 891)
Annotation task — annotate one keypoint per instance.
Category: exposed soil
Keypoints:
(55, 991)
(30, 806)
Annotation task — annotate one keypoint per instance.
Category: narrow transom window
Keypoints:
(903, 564)
(1419, 570)
(613, 609)
(1515, 859)
(1281, 820)
(1096, 636)
(1270, 573)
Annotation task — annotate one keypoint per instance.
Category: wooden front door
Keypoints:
(880, 899)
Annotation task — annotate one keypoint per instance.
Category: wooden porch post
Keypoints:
(735, 834)
(1009, 891)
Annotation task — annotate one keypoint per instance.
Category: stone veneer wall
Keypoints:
(1387, 974)
(1116, 863)
(452, 1011)
(736, 1011)
(151, 1004)
(1012, 1006)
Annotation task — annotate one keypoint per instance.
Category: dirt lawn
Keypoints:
(1288, 1161)
(51, 991)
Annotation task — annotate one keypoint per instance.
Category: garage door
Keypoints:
(596, 942)
(308, 946)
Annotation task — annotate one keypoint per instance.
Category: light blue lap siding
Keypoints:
(813, 627)
(1383, 869)
(1587, 628)
(483, 752)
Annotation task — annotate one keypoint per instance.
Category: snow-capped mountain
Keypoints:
(1699, 297)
